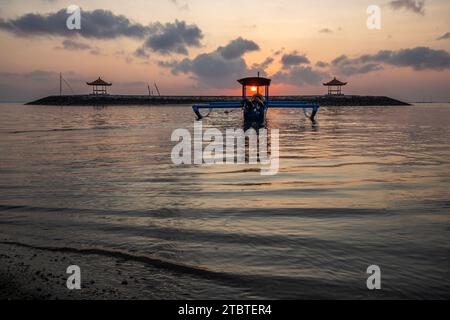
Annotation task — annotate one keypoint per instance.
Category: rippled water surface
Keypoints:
(365, 185)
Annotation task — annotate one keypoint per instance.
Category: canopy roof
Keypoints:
(335, 82)
(255, 81)
(99, 82)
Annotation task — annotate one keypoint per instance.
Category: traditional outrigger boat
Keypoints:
(255, 107)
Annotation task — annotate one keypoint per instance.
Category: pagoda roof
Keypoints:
(255, 81)
(335, 82)
(99, 82)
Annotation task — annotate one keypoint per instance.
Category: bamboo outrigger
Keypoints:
(255, 108)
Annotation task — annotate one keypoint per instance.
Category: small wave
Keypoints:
(241, 212)
(65, 129)
(269, 284)
(158, 263)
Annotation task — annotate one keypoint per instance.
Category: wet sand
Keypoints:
(27, 273)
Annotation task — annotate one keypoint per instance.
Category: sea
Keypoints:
(363, 186)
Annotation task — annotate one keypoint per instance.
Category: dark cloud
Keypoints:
(294, 73)
(444, 37)
(325, 30)
(174, 37)
(141, 53)
(300, 75)
(278, 52)
(261, 67)
(346, 66)
(180, 5)
(419, 58)
(99, 24)
(237, 48)
(75, 45)
(293, 59)
(322, 64)
(165, 38)
(72, 45)
(411, 5)
(33, 75)
(341, 59)
(216, 69)
(210, 69)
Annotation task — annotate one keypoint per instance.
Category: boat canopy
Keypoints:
(249, 107)
(255, 82)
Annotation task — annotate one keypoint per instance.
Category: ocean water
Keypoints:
(364, 186)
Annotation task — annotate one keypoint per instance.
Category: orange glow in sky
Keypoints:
(187, 51)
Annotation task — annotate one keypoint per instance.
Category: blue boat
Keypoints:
(254, 106)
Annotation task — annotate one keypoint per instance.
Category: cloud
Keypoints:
(99, 24)
(293, 59)
(72, 45)
(444, 37)
(33, 75)
(219, 68)
(165, 38)
(416, 6)
(180, 5)
(419, 58)
(237, 48)
(325, 30)
(322, 64)
(278, 52)
(211, 69)
(141, 53)
(174, 37)
(346, 66)
(294, 73)
(258, 67)
(300, 75)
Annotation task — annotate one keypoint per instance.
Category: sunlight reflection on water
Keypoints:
(366, 185)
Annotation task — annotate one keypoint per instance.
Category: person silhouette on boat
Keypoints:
(254, 108)
(258, 101)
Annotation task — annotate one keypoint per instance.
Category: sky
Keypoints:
(201, 47)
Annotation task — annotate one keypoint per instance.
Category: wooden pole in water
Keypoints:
(60, 84)
(157, 90)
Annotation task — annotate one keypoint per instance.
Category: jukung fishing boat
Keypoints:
(255, 105)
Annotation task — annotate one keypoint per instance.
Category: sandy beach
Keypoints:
(39, 273)
(27, 273)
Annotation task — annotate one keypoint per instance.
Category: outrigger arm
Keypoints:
(271, 104)
(295, 104)
(255, 107)
(214, 105)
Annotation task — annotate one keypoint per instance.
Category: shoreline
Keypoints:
(39, 273)
(33, 274)
(29, 272)
(82, 100)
